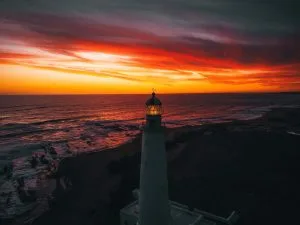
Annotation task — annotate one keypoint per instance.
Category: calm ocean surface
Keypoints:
(95, 122)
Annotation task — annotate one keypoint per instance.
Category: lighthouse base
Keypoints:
(180, 214)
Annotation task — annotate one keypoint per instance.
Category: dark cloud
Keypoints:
(256, 15)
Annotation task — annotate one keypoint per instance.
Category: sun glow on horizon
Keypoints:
(38, 77)
(28, 80)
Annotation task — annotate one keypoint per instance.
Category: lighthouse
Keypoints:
(153, 206)
(153, 198)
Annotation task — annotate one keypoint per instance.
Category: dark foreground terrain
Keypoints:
(251, 167)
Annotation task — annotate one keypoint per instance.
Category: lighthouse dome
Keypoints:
(153, 106)
(153, 100)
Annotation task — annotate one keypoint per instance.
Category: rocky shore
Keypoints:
(248, 166)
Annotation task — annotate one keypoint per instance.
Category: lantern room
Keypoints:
(154, 106)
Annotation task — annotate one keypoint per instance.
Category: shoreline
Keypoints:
(102, 181)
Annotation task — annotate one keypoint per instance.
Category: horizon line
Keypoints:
(183, 93)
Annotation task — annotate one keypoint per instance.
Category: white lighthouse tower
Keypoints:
(152, 206)
(153, 198)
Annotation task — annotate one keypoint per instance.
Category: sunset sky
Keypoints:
(132, 46)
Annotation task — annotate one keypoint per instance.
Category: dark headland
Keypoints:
(248, 166)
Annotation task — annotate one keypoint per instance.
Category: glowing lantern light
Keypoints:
(154, 106)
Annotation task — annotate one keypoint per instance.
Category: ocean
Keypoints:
(82, 123)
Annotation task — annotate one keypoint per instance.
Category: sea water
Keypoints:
(81, 123)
